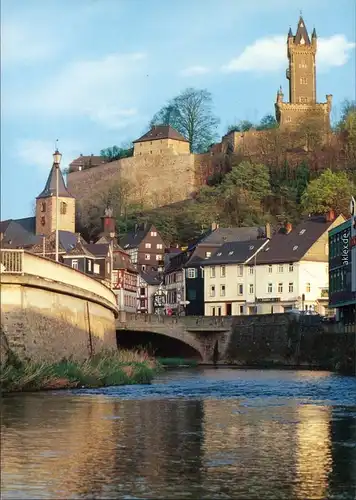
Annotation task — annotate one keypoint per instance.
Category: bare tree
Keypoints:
(190, 113)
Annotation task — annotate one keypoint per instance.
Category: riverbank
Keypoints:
(110, 368)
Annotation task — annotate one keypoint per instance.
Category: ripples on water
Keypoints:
(253, 434)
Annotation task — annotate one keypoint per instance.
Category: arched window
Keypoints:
(43, 206)
(63, 208)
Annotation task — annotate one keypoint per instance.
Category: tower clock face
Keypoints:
(43, 220)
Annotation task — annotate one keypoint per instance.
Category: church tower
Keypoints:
(301, 73)
(46, 212)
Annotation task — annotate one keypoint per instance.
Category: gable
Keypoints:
(319, 251)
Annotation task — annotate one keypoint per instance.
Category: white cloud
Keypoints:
(23, 43)
(104, 90)
(38, 153)
(195, 70)
(269, 54)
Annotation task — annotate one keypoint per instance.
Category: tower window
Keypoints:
(303, 80)
(303, 100)
(43, 206)
(63, 208)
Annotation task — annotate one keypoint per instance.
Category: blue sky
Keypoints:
(92, 72)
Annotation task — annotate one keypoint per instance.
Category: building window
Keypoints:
(250, 289)
(158, 257)
(291, 268)
(153, 233)
(142, 291)
(63, 208)
(303, 100)
(192, 272)
(212, 272)
(269, 288)
(240, 289)
(147, 256)
(108, 267)
(270, 269)
(89, 265)
(75, 264)
(280, 287)
(303, 80)
(291, 287)
(222, 271)
(250, 270)
(159, 246)
(240, 271)
(222, 290)
(288, 119)
(147, 245)
(212, 290)
(307, 288)
(43, 206)
(96, 268)
(280, 268)
(207, 255)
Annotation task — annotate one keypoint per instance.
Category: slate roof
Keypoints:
(161, 132)
(235, 252)
(301, 33)
(80, 249)
(225, 234)
(122, 261)
(98, 249)
(18, 233)
(134, 238)
(151, 278)
(50, 187)
(292, 247)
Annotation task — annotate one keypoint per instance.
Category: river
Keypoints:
(196, 433)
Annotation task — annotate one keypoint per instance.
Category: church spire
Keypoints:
(50, 187)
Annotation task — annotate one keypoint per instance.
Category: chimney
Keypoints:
(288, 227)
(214, 226)
(330, 216)
(108, 222)
(268, 230)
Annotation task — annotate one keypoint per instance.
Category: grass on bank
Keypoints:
(104, 369)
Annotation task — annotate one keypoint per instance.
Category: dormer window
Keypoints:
(301, 232)
(295, 248)
(219, 254)
(231, 253)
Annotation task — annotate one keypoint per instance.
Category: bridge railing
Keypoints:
(22, 262)
(12, 261)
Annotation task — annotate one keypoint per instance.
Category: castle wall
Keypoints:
(151, 180)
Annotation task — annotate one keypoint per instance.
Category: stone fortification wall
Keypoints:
(51, 321)
(153, 180)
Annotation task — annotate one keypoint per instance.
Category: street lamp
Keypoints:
(56, 162)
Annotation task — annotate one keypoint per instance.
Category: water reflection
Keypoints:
(78, 446)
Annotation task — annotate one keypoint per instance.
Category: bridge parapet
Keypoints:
(20, 262)
(189, 323)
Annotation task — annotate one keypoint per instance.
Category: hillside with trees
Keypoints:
(288, 176)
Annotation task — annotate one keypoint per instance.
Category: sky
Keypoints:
(91, 73)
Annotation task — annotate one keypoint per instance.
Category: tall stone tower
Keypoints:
(301, 73)
(46, 206)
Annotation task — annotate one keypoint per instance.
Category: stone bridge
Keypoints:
(51, 311)
(199, 332)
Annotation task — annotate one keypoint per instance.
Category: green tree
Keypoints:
(243, 191)
(191, 114)
(241, 126)
(116, 152)
(331, 191)
(267, 122)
